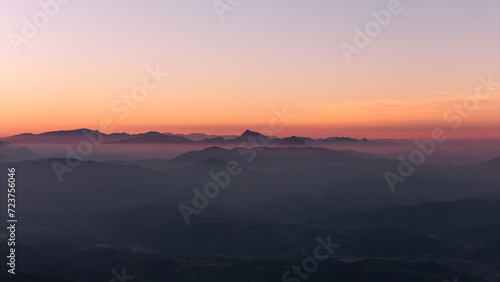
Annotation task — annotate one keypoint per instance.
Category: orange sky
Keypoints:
(227, 76)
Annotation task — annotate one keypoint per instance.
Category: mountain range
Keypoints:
(111, 210)
(153, 137)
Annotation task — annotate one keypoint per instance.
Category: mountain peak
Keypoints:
(249, 132)
(292, 141)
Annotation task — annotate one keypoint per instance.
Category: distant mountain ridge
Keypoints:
(200, 136)
(248, 136)
(15, 154)
(293, 141)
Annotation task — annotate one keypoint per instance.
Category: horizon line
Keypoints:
(231, 134)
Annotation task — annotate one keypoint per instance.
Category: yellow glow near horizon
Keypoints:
(228, 76)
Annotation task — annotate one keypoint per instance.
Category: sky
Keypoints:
(231, 70)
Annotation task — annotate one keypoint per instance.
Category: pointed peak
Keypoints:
(248, 131)
(292, 141)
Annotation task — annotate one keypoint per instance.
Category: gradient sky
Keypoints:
(227, 76)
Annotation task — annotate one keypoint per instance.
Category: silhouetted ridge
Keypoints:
(66, 132)
(154, 137)
(213, 140)
(213, 149)
(151, 133)
(249, 133)
(292, 141)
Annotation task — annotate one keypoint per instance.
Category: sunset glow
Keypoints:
(227, 76)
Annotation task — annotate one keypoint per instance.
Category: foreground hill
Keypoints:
(15, 154)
